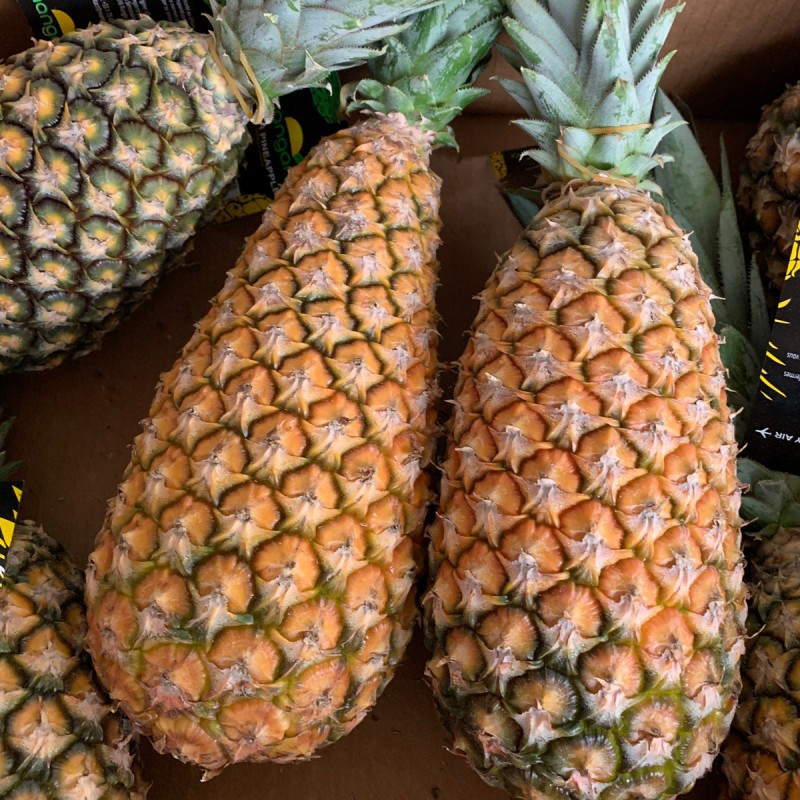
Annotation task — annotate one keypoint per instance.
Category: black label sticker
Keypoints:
(774, 438)
(10, 496)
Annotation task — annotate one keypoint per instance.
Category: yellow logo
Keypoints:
(794, 261)
(295, 135)
(65, 21)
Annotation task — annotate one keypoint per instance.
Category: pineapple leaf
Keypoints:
(541, 53)
(732, 263)
(552, 102)
(743, 365)
(524, 208)
(514, 59)
(433, 63)
(546, 159)
(270, 47)
(518, 91)
(647, 86)
(609, 63)
(538, 130)
(691, 190)
(619, 107)
(569, 14)
(645, 17)
(759, 316)
(773, 500)
(531, 15)
(648, 48)
(610, 90)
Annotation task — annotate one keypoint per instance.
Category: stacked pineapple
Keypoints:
(60, 735)
(769, 190)
(116, 142)
(586, 605)
(250, 594)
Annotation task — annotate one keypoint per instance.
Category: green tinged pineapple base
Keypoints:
(58, 735)
(115, 142)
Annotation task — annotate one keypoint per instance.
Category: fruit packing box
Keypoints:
(74, 423)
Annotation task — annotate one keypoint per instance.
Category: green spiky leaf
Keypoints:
(743, 365)
(647, 49)
(690, 186)
(617, 43)
(270, 47)
(759, 315)
(773, 500)
(432, 63)
(733, 267)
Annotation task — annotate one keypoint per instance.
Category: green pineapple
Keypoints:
(116, 141)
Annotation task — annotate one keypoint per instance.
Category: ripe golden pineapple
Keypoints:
(116, 141)
(769, 189)
(60, 737)
(251, 592)
(586, 605)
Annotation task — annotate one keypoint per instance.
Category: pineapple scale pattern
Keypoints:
(114, 143)
(586, 608)
(60, 737)
(251, 593)
(761, 756)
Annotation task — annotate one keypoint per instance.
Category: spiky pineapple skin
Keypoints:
(116, 142)
(251, 592)
(60, 737)
(761, 756)
(769, 187)
(586, 606)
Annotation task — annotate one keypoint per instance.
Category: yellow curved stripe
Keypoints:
(775, 388)
(776, 360)
(65, 21)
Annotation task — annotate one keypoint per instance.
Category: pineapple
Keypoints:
(586, 604)
(60, 737)
(769, 189)
(116, 141)
(250, 594)
(761, 756)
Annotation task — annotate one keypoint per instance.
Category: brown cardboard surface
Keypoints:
(75, 423)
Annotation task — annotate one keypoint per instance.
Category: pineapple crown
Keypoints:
(268, 48)
(590, 70)
(426, 71)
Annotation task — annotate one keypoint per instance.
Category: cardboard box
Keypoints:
(75, 423)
